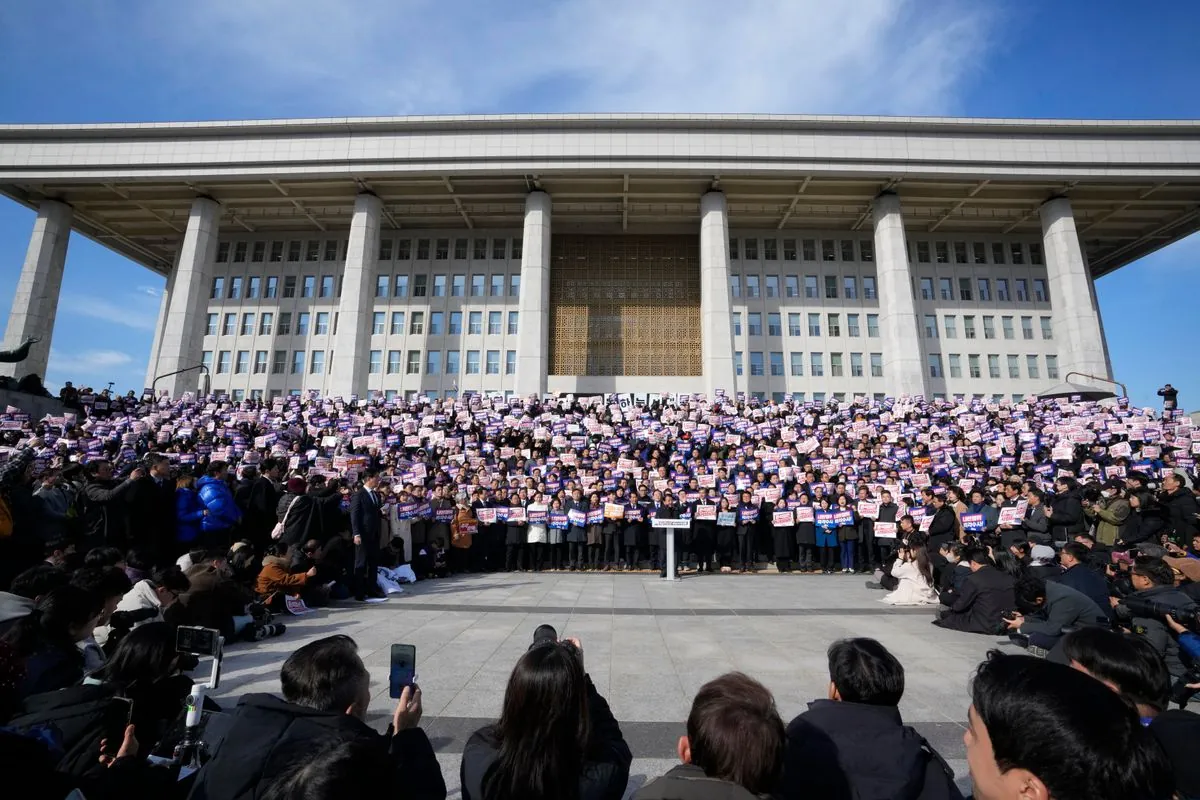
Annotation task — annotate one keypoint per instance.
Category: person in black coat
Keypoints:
(150, 511)
(986, 594)
(1180, 506)
(1065, 511)
(668, 510)
(704, 532)
(262, 499)
(944, 527)
(1079, 576)
(806, 538)
(855, 744)
(326, 691)
(366, 524)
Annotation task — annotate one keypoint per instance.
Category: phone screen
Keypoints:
(404, 669)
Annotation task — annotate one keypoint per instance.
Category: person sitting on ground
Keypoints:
(26, 590)
(276, 581)
(1052, 608)
(1042, 562)
(326, 692)
(1044, 731)
(45, 643)
(109, 585)
(733, 748)
(216, 600)
(986, 594)
(556, 737)
(855, 744)
(337, 770)
(914, 573)
(144, 603)
(1079, 576)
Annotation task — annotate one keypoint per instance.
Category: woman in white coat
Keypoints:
(915, 573)
(536, 535)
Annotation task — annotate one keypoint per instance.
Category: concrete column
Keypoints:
(36, 300)
(533, 338)
(183, 329)
(163, 307)
(716, 332)
(903, 368)
(1077, 327)
(348, 375)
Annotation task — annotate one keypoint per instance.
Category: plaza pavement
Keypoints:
(648, 646)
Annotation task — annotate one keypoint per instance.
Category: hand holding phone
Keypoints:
(403, 671)
(408, 710)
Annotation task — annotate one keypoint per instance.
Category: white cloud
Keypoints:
(99, 365)
(150, 291)
(136, 313)
(418, 56)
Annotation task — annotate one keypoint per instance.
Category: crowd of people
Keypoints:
(1053, 522)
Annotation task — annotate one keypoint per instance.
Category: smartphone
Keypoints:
(404, 669)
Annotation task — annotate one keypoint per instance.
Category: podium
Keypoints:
(670, 526)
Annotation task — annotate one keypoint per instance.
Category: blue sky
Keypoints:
(88, 61)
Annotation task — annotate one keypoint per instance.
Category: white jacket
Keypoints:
(142, 595)
(913, 589)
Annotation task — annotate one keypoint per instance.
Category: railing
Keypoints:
(202, 367)
(1124, 391)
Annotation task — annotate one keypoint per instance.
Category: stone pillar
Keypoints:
(716, 332)
(348, 375)
(183, 329)
(1077, 327)
(903, 369)
(163, 307)
(533, 338)
(36, 300)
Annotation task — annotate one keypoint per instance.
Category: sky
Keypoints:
(96, 61)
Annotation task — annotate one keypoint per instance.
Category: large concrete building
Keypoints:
(812, 256)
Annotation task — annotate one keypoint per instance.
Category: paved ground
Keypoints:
(648, 644)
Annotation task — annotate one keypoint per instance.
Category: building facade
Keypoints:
(817, 258)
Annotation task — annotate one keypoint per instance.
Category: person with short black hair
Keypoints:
(25, 591)
(1051, 607)
(1044, 731)
(986, 594)
(1154, 584)
(218, 501)
(855, 744)
(1079, 575)
(733, 748)
(108, 585)
(326, 692)
(1125, 663)
(46, 640)
(366, 524)
(143, 603)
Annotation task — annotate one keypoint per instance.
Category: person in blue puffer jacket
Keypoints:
(222, 512)
(189, 513)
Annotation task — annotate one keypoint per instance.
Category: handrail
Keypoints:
(202, 367)
(1124, 391)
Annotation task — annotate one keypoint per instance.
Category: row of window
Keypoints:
(439, 323)
(238, 395)
(950, 322)
(831, 288)
(921, 252)
(768, 286)
(754, 326)
(398, 362)
(975, 369)
(399, 249)
(968, 289)
(254, 286)
(816, 364)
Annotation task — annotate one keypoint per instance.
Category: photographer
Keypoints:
(556, 737)
(146, 601)
(326, 692)
(1109, 511)
(1056, 607)
(1077, 574)
(1144, 610)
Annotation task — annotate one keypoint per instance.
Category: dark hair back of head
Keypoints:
(102, 582)
(1028, 589)
(38, 580)
(543, 728)
(977, 555)
(1077, 551)
(1156, 570)
(340, 769)
(1129, 663)
(145, 655)
(326, 675)
(1082, 740)
(736, 734)
(57, 613)
(106, 556)
(863, 671)
(215, 468)
(170, 578)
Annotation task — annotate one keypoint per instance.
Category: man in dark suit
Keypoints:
(150, 511)
(262, 502)
(1081, 577)
(986, 594)
(366, 525)
(1052, 607)
(1036, 525)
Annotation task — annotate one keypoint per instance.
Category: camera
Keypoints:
(198, 641)
(1009, 615)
